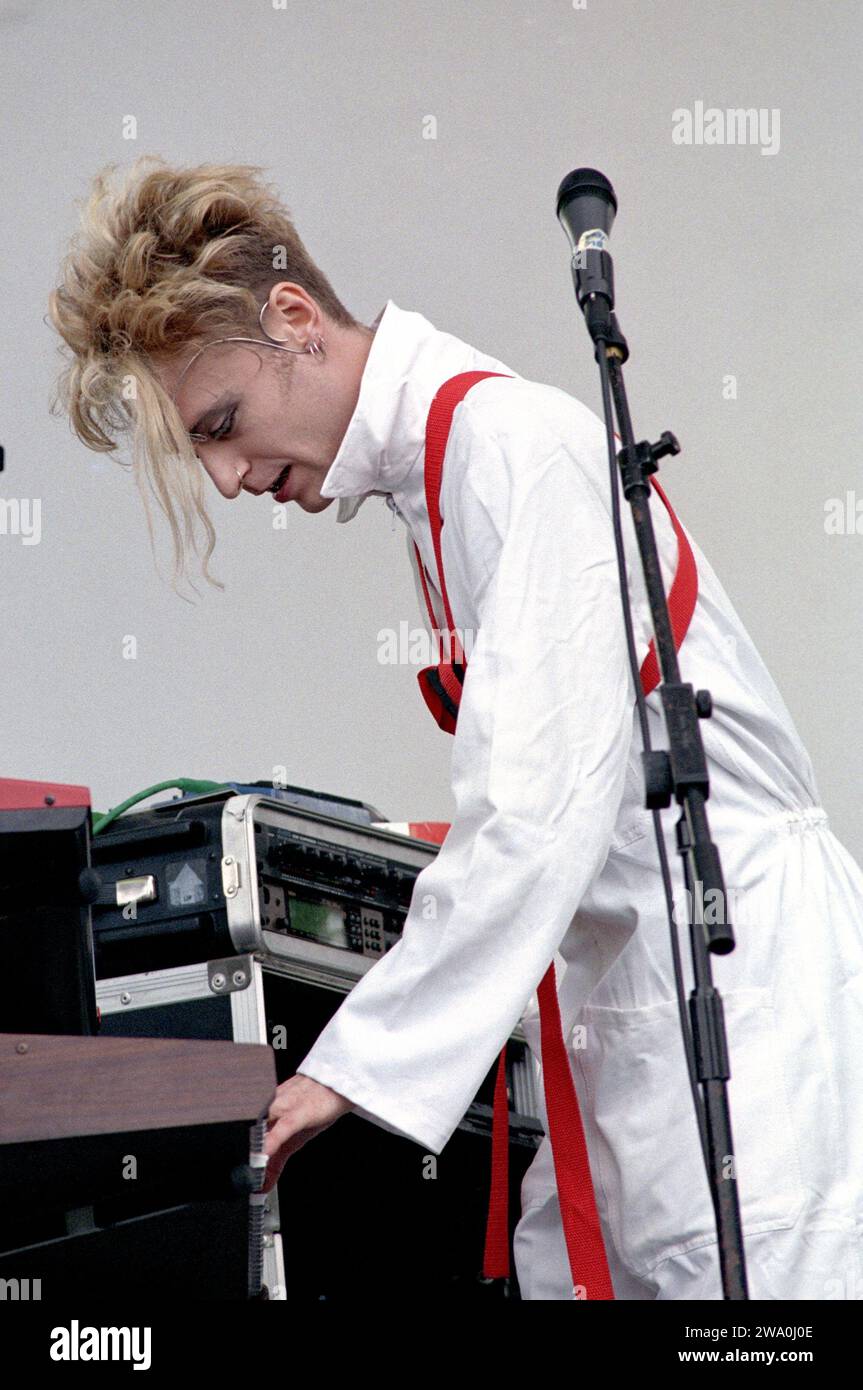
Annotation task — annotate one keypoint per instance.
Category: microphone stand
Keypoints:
(681, 772)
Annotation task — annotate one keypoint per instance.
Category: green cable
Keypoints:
(101, 819)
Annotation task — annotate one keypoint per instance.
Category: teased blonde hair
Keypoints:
(165, 261)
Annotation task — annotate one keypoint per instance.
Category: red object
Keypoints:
(17, 795)
(441, 687)
(432, 830)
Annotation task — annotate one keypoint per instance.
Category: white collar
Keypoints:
(408, 360)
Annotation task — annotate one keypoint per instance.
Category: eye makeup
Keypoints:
(196, 433)
(222, 432)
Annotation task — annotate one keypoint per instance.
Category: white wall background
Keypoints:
(727, 261)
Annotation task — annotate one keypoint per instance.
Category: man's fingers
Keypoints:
(278, 1146)
(273, 1173)
(285, 1137)
(281, 1132)
(300, 1109)
(289, 1101)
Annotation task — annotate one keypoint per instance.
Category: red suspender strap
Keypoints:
(441, 684)
(441, 687)
(681, 598)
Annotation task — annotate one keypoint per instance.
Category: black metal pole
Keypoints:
(680, 772)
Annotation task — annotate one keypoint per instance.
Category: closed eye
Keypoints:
(221, 432)
(224, 429)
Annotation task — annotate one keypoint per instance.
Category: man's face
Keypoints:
(263, 417)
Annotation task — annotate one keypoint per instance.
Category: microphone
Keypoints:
(586, 207)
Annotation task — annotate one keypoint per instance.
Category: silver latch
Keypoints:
(136, 890)
(230, 876)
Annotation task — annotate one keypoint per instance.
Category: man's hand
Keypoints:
(301, 1109)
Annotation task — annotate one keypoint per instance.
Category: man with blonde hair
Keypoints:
(193, 285)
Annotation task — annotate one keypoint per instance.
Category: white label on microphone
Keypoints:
(594, 240)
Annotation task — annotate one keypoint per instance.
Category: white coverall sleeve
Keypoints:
(539, 761)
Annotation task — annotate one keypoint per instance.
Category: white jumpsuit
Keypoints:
(551, 854)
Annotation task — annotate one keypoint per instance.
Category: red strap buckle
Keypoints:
(441, 689)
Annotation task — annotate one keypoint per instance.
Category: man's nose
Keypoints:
(227, 473)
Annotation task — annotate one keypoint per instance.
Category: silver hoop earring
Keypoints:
(316, 348)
